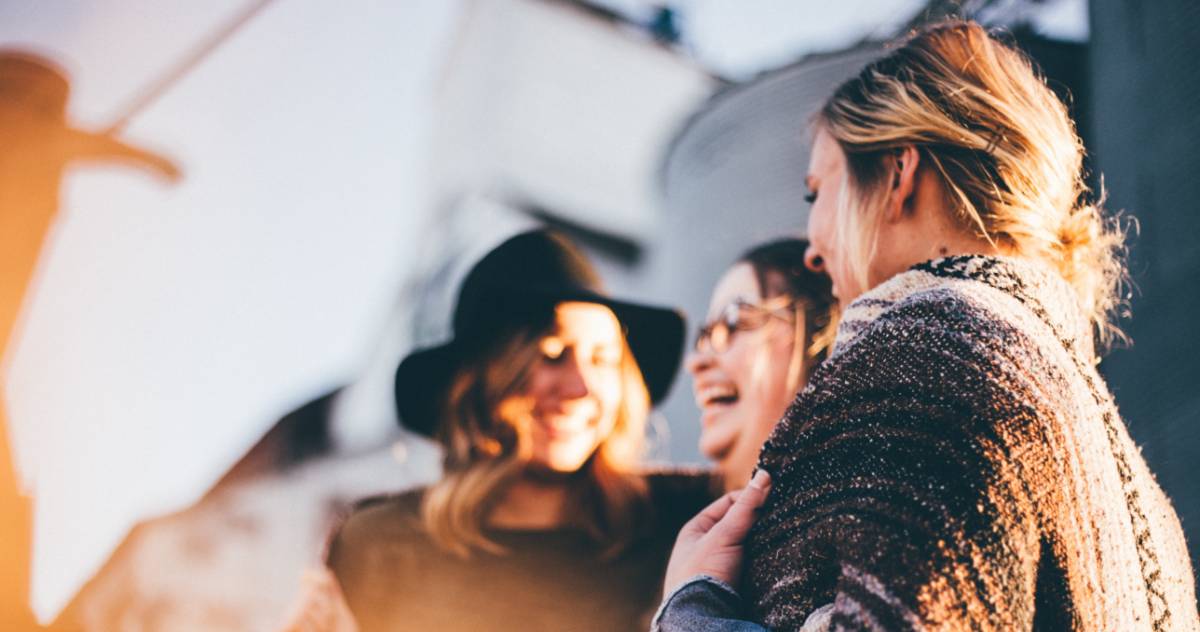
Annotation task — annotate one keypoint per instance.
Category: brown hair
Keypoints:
(486, 449)
(1000, 142)
(780, 271)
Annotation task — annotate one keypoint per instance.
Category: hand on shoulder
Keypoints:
(711, 543)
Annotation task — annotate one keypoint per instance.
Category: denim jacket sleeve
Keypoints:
(703, 604)
(707, 604)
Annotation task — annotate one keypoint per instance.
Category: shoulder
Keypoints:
(376, 520)
(943, 311)
(387, 506)
(932, 310)
(951, 363)
(380, 554)
(936, 336)
(941, 345)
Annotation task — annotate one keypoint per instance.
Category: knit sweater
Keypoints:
(958, 463)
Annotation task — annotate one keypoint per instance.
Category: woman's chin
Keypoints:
(716, 446)
(553, 470)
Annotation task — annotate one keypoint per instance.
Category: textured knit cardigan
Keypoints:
(958, 463)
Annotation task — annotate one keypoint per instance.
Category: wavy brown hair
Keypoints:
(1001, 144)
(486, 449)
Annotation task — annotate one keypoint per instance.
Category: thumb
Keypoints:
(740, 517)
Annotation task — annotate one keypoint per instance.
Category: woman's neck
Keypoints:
(924, 233)
(530, 504)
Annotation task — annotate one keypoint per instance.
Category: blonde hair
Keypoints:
(487, 449)
(1002, 146)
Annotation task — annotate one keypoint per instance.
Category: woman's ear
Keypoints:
(905, 161)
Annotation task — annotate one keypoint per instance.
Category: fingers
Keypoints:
(756, 492)
(702, 522)
(739, 517)
(741, 503)
(711, 543)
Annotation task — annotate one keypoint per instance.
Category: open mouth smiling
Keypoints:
(717, 395)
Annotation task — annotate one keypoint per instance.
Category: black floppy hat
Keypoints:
(518, 284)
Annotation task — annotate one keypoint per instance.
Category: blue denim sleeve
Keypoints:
(703, 604)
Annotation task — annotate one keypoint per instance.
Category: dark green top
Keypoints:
(396, 578)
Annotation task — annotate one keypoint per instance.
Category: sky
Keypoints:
(738, 39)
(174, 323)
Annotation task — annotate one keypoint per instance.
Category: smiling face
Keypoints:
(743, 390)
(574, 389)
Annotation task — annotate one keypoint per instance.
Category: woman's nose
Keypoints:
(572, 381)
(697, 361)
(813, 260)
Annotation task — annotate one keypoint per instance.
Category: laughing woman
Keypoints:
(958, 462)
(544, 519)
(770, 321)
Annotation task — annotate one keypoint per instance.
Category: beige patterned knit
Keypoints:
(959, 464)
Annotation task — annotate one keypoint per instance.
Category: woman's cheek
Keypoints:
(610, 401)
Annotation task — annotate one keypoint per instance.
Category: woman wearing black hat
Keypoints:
(544, 519)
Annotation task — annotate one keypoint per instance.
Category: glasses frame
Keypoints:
(716, 335)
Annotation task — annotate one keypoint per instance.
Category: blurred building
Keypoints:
(547, 112)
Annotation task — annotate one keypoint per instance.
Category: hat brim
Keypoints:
(655, 336)
(421, 382)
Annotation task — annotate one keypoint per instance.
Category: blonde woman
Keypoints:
(544, 519)
(958, 462)
(770, 321)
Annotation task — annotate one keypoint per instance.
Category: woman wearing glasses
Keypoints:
(770, 321)
(958, 462)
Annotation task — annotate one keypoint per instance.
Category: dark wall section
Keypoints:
(1145, 106)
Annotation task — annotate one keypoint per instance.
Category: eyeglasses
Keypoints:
(717, 334)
